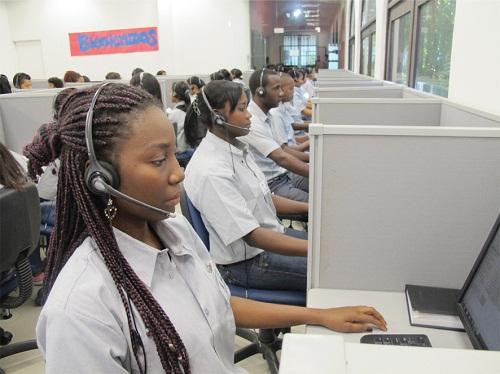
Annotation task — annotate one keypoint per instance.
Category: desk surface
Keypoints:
(392, 305)
(327, 354)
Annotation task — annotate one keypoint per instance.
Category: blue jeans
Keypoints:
(269, 270)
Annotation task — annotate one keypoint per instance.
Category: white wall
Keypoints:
(194, 35)
(8, 59)
(475, 62)
(203, 36)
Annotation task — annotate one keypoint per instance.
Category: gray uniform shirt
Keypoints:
(262, 143)
(232, 195)
(83, 326)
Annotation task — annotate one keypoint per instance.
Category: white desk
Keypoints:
(392, 305)
(329, 354)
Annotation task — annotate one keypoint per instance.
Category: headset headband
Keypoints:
(88, 128)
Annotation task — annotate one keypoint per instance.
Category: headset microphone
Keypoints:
(101, 177)
(114, 192)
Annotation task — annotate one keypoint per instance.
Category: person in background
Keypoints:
(195, 85)
(300, 100)
(13, 169)
(129, 287)
(217, 76)
(181, 99)
(161, 72)
(237, 76)
(55, 82)
(286, 174)
(85, 79)
(309, 83)
(149, 83)
(282, 122)
(72, 76)
(12, 173)
(137, 71)
(22, 81)
(4, 85)
(113, 75)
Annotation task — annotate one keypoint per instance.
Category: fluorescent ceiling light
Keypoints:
(297, 13)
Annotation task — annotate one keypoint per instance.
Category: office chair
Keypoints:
(19, 233)
(266, 341)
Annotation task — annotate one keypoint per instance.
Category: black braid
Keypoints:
(79, 213)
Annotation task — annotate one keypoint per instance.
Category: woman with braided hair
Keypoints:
(128, 290)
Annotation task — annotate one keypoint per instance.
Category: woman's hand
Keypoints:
(352, 319)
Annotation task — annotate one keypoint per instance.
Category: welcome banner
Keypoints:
(143, 39)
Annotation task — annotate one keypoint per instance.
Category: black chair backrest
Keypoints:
(19, 224)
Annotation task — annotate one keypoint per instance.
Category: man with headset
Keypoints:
(286, 175)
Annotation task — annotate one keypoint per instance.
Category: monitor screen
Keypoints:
(481, 295)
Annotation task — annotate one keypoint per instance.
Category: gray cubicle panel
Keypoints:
(334, 73)
(396, 205)
(399, 92)
(22, 114)
(39, 83)
(350, 83)
(370, 111)
(246, 76)
(412, 112)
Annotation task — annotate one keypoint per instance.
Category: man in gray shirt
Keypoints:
(286, 174)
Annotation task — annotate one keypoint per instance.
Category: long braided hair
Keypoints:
(80, 213)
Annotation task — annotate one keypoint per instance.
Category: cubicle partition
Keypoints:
(23, 113)
(412, 112)
(394, 92)
(350, 83)
(39, 83)
(396, 205)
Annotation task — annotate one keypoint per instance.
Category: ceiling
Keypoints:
(265, 15)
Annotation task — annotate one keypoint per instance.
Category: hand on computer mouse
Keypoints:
(352, 319)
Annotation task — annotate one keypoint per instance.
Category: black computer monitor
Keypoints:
(479, 303)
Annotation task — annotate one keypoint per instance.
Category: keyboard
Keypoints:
(414, 340)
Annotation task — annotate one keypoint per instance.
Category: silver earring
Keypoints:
(110, 210)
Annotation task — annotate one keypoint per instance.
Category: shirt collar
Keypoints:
(142, 257)
(257, 112)
(178, 104)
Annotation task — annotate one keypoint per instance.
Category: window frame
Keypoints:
(366, 32)
(396, 9)
(352, 38)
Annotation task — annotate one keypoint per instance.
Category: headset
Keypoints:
(261, 91)
(101, 177)
(218, 118)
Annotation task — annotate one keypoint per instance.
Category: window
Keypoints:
(299, 50)
(399, 49)
(368, 27)
(368, 12)
(352, 38)
(435, 33)
(420, 37)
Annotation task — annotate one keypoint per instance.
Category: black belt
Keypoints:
(275, 179)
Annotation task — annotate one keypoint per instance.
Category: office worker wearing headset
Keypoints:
(131, 287)
(286, 175)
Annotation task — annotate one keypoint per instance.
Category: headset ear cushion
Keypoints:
(261, 91)
(219, 119)
(106, 172)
